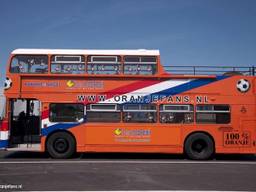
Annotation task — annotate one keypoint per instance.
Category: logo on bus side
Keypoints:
(70, 83)
(132, 135)
(41, 84)
(118, 131)
(89, 84)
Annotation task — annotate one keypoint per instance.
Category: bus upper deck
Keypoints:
(107, 63)
(101, 64)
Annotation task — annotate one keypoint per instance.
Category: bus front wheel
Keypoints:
(199, 146)
(61, 145)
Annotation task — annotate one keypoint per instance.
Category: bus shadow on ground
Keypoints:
(123, 156)
(23, 155)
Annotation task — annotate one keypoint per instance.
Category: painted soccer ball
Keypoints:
(7, 83)
(243, 85)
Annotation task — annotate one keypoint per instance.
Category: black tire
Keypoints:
(199, 146)
(61, 145)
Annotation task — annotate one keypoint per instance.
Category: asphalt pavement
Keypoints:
(106, 171)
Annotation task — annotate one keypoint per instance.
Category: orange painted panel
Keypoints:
(132, 134)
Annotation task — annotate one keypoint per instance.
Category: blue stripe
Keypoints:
(188, 86)
(59, 126)
(181, 88)
(4, 143)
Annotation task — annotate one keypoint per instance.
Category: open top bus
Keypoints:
(67, 101)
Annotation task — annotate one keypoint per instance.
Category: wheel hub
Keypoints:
(61, 145)
(199, 146)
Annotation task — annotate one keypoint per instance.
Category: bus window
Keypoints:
(139, 113)
(29, 64)
(104, 65)
(176, 114)
(103, 113)
(216, 114)
(68, 64)
(63, 112)
(140, 65)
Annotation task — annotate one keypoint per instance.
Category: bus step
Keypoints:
(25, 147)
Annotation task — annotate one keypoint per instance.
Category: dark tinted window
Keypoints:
(104, 59)
(215, 114)
(66, 112)
(140, 59)
(148, 59)
(132, 59)
(68, 58)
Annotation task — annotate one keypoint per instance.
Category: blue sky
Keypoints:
(187, 32)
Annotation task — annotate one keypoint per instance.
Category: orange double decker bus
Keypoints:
(67, 101)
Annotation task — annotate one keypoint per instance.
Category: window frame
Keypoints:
(126, 112)
(68, 56)
(115, 111)
(213, 112)
(140, 63)
(102, 56)
(139, 109)
(95, 64)
(190, 106)
(140, 59)
(31, 55)
(81, 62)
(103, 110)
(190, 111)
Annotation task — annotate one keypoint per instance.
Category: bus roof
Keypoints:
(88, 51)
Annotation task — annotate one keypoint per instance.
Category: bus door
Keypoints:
(25, 121)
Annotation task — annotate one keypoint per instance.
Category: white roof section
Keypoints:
(87, 52)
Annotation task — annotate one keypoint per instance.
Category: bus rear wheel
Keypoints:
(199, 146)
(61, 145)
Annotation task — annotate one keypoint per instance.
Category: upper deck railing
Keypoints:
(210, 70)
